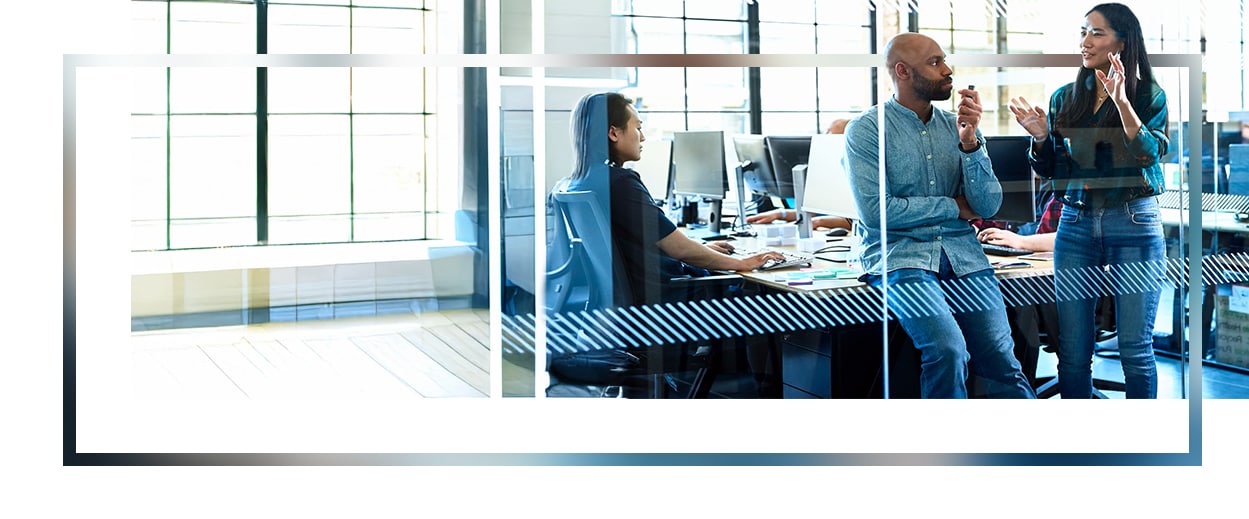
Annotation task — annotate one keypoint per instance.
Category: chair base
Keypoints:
(1049, 387)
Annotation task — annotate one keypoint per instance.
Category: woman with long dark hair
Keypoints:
(1101, 142)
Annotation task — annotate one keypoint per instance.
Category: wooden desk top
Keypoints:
(779, 279)
(1210, 220)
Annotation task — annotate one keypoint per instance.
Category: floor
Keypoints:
(1216, 382)
(428, 355)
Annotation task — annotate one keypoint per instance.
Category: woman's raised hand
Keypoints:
(1031, 118)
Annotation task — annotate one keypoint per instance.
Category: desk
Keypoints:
(1211, 221)
(843, 359)
(1221, 232)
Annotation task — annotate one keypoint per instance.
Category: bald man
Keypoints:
(937, 177)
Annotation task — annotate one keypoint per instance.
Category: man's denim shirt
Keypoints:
(924, 171)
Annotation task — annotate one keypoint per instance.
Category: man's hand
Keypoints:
(771, 216)
(969, 112)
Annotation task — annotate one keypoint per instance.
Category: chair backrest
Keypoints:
(588, 225)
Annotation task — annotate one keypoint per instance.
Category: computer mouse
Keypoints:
(837, 231)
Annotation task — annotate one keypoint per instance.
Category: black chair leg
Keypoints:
(1049, 387)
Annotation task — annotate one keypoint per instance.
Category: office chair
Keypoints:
(1047, 387)
(584, 275)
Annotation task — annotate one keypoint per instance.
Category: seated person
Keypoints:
(651, 249)
(1041, 241)
(790, 215)
(838, 126)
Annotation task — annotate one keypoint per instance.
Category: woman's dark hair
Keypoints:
(589, 139)
(1135, 67)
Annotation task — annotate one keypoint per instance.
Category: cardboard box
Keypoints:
(1231, 334)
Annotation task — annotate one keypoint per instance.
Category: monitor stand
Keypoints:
(803, 221)
(742, 226)
(712, 230)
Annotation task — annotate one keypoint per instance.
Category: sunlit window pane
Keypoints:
(386, 3)
(728, 122)
(147, 27)
(718, 89)
(647, 7)
(212, 28)
(387, 89)
(654, 36)
(786, 38)
(310, 229)
(297, 29)
(387, 31)
(832, 39)
(218, 232)
(801, 11)
(715, 9)
(212, 90)
(212, 164)
(391, 226)
(309, 90)
(147, 90)
(715, 37)
(660, 88)
(790, 123)
(844, 89)
(309, 165)
(148, 169)
(787, 88)
(389, 172)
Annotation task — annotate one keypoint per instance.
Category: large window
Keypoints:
(241, 156)
(662, 95)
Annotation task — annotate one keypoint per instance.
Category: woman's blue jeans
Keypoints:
(952, 319)
(1117, 251)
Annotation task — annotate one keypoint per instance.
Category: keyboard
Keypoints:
(1002, 250)
(792, 259)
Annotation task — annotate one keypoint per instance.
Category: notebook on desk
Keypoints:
(705, 234)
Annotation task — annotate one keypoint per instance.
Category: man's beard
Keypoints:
(931, 90)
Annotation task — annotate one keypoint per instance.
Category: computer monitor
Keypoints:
(654, 166)
(699, 170)
(787, 152)
(1238, 169)
(699, 164)
(752, 155)
(827, 187)
(1009, 156)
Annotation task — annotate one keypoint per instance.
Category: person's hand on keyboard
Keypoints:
(761, 260)
(1001, 237)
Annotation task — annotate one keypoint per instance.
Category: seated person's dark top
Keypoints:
(637, 226)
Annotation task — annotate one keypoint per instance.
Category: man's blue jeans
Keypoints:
(951, 320)
(1119, 251)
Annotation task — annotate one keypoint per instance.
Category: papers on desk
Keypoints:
(1039, 256)
(808, 276)
(1239, 300)
(1010, 264)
